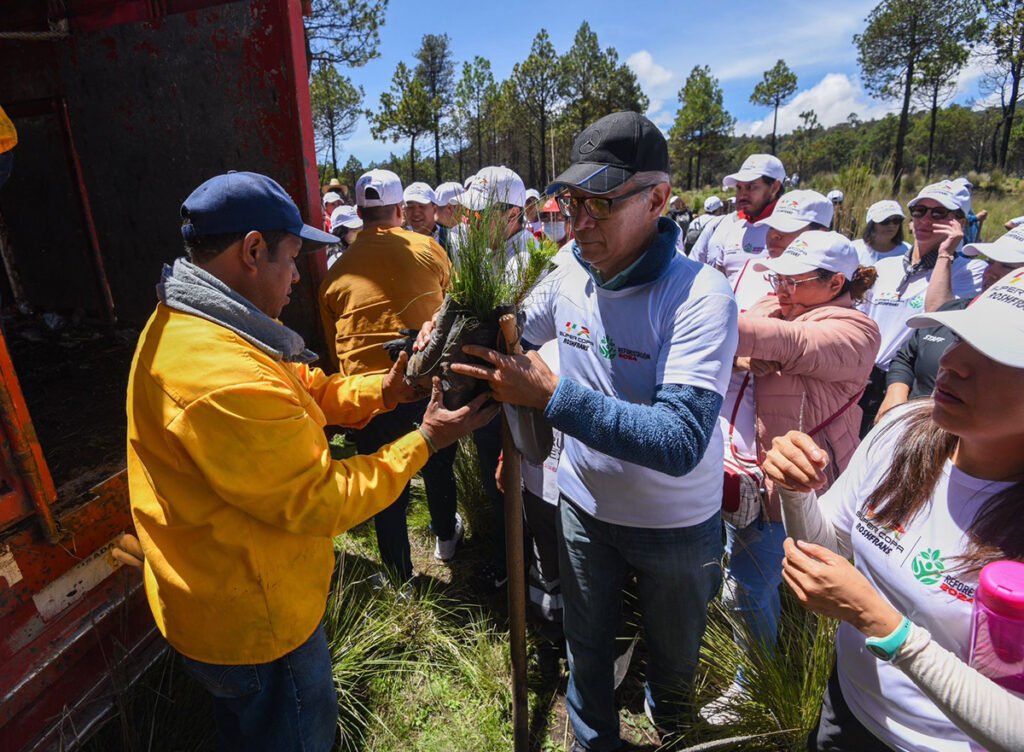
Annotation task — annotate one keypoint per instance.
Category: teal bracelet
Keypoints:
(430, 443)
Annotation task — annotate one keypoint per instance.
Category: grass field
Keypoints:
(431, 672)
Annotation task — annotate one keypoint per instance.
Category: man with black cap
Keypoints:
(234, 493)
(646, 339)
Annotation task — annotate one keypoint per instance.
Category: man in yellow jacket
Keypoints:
(233, 490)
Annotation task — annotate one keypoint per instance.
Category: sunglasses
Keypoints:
(936, 212)
(598, 208)
(788, 283)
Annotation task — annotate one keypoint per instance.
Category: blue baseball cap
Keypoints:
(244, 201)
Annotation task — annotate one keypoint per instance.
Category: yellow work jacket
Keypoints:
(233, 490)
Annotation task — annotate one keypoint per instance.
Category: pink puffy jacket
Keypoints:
(826, 355)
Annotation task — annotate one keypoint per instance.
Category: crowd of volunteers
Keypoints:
(742, 400)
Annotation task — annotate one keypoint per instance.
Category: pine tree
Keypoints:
(775, 89)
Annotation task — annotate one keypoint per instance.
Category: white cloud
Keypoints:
(650, 74)
(832, 99)
(824, 36)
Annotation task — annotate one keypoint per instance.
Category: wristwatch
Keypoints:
(885, 648)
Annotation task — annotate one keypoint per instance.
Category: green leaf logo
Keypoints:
(928, 566)
(608, 348)
(917, 302)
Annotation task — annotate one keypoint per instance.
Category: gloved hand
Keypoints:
(401, 344)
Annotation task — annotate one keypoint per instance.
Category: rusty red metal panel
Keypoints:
(26, 456)
(157, 107)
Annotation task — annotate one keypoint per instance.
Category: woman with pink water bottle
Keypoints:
(931, 508)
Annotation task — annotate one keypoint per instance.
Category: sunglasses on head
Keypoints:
(936, 212)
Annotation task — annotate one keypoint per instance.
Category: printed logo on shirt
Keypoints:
(885, 299)
(917, 302)
(928, 566)
(933, 338)
(886, 539)
(608, 348)
(576, 336)
(958, 589)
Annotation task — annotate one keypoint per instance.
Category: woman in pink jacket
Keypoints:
(808, 354)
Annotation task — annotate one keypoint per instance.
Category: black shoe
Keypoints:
(492, 579)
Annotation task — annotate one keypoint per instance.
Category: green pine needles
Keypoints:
(488, 270)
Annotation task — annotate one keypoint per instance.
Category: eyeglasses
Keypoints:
(787, 283)
(936, 212)
(598, 208)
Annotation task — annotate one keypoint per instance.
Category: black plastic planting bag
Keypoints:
(456, 327)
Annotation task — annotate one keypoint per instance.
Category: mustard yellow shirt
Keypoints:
(388, 279)
(234, 493)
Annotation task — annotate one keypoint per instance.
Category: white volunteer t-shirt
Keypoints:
(709, 222)
(734, 242)
(868, 256)
(678, 329)
(913, 568)
(748, 287)
(542, 480)
(890, 310)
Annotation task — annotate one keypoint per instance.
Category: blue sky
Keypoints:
(740, 41)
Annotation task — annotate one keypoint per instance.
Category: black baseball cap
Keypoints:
(611, 151)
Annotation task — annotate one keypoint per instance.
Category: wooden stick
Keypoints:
(511, 483)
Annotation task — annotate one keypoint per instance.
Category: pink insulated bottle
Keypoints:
(997, 631)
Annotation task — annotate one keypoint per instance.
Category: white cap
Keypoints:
(1009, 249)
(330, 197)
(345, 216)
(467, 181)
(967, 183)
(836, 195)
(817, 249)
(674, 200)
(948, 193)
(419, 193)
(494, 185)
(882, 210)
(756, 166)
(712, 203)
(387, 184)
(446, 193)
(797, 209)
(993, 324)
(532, 193)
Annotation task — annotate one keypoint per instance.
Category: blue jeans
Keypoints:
(438, 476)
(678, 572)
(282, 706)
(753, 577)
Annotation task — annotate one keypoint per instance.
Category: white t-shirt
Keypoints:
(708, 223)
(678, 329)
(734, 242)
(891, 310)
(1017, 221)
(911, 567)
(542, 480)
(868, 256)
(748, 287)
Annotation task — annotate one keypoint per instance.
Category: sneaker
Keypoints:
(491, 578)
(722, 710)
(444, 550)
